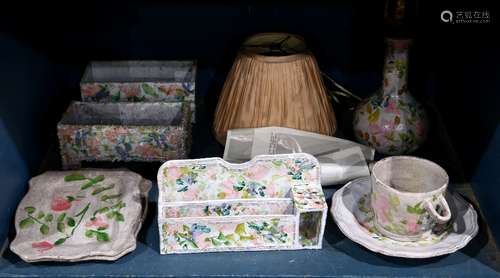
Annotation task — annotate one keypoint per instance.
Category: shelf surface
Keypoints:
(339, 257)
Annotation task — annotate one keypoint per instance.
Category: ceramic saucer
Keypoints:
(352, 212)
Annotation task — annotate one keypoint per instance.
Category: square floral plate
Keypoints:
(352, 212)
(80, 215)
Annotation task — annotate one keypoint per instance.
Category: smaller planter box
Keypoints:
(140, 81)
(274, 202)
(124, 132)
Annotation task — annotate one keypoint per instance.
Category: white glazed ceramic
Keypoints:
(408, 197)
(80, 215)
(273, 202)
(351, 211)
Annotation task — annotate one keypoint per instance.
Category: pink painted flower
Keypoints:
(129, 90)
(173, 173)
(257, 172)
(202, 243)
(168, 90)
(211, 173)
(375, 129)
(190, 195)
(42, 246)
(148, 151)
(227, 188)
(98, 222)
(60, 204)
(90, 90)
(392, 107)
(412, 224)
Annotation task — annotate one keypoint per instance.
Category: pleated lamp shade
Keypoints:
(274, 90)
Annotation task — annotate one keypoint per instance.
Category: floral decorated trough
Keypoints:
(124, 132)
(273, 202)
(140, 81)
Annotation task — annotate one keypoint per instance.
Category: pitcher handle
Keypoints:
(432, 210)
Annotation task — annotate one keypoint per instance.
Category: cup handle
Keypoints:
(432, 210)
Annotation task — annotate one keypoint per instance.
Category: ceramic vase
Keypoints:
(392, 121)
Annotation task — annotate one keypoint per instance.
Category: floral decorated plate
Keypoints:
(80, 215)
(352, 212)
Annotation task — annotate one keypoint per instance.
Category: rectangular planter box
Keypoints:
(124, 132)
(140, 81)
(273, 202)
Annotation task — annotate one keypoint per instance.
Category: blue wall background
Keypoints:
(44, 50)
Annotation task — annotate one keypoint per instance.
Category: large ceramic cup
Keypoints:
(408, 197)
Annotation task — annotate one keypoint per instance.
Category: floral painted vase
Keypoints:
(392, 121)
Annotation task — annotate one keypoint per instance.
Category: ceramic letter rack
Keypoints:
(273, 202)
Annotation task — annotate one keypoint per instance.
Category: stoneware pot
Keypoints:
(392, 121)
(408, 197)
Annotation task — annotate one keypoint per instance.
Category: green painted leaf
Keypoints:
(277, 163)
(394, 200)
(89, 233)
(185, 228)
(61, 227)
(71, 222)
(109, 197)
(74, 177)
(60, 241)
(44, 229)
(102, 236)
(149, 90)
(240, 229)
(40, 215)
(111, 215)
(101, 228)
(61, 217)
(29, 210)
(101, 189)
(49, 217)
(373, 117)
(103, 210)
(119, 217)
(92, 182)
(26, 222)
(70, 198)
(118, 205)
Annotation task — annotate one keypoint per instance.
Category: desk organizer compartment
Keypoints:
(273, 202)
(124, 132)
(140, 81)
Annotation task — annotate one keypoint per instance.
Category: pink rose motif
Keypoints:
(412, 224)
(42, 246)
(90, 90)
(174, 173)
(60, 204)
(257, 172)
(97, 223)
(392, 107)
(129, 90)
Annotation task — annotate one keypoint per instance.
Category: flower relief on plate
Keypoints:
(271, 202)
(79, 215)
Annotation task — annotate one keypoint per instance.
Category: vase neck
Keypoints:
(396, 68)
